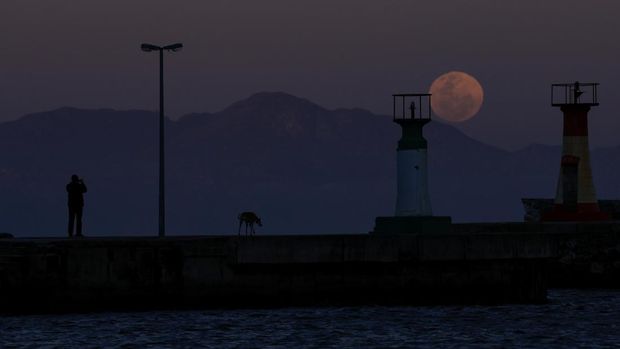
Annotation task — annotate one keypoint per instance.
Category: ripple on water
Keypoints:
(573, 318)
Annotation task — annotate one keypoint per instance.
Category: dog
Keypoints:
(249, 218)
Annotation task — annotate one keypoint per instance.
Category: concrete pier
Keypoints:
(58, 275)
(587, 253)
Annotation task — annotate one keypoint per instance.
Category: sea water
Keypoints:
(572, 318)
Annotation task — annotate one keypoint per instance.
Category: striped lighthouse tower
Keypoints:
(413, 212)
(575, 198)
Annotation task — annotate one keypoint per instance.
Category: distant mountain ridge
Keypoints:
(303, 168)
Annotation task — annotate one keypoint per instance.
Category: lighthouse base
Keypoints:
(412, 224)
(561, 214)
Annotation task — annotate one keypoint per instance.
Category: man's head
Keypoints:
(75, 178)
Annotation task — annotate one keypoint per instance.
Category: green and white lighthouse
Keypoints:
(413, 213)
(412, 198)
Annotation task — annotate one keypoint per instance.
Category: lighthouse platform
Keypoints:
(412, 224)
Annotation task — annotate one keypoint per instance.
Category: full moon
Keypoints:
(456, 96)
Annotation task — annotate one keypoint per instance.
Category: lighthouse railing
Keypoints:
(410, 106)
(574, 93)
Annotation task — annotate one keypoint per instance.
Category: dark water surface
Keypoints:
(573, 318)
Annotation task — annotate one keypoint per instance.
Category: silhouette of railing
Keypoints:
(574, 93)
(410, 106)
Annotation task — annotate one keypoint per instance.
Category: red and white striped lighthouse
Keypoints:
(575, 198)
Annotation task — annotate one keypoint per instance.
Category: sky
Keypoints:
(339, 54)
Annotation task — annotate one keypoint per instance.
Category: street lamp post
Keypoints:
(162, 197)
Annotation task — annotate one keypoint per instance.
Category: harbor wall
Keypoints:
(588, 253)
(56, 275)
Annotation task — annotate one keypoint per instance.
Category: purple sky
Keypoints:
(354, 53)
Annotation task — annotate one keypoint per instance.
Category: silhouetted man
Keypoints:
(75, 190)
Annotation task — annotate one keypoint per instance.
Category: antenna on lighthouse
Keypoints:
(575, 198)
(413, 213)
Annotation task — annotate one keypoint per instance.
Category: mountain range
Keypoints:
(301, 167)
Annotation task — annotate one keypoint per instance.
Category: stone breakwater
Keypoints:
(587, 253)
(59, 275)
